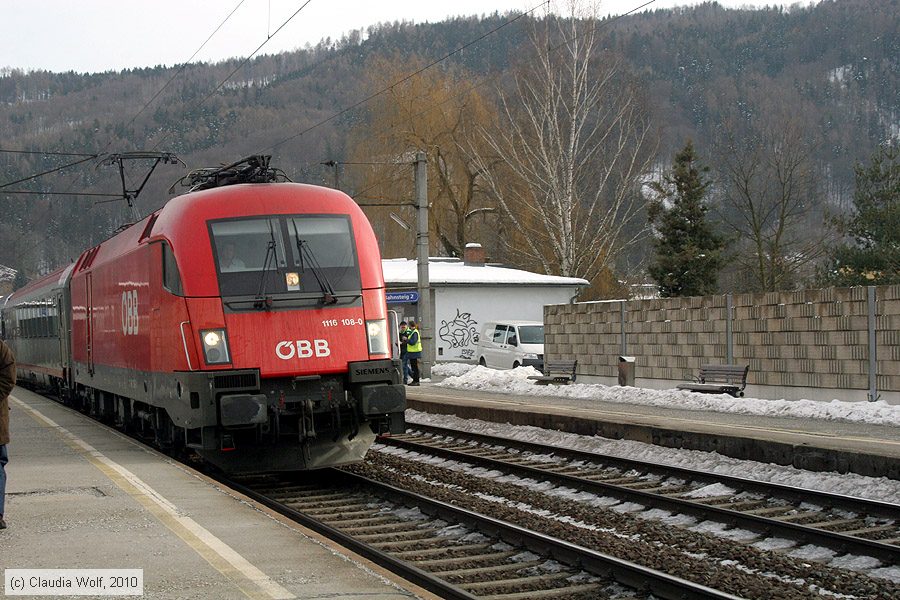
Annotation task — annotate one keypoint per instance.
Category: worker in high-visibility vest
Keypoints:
(414, 351)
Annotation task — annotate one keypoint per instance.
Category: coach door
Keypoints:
(89, 320)
(60, 332)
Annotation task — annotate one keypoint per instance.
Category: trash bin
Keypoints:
(626, 370)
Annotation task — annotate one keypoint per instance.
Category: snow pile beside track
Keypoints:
(516, 382)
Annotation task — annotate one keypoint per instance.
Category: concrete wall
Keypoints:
(805, 344)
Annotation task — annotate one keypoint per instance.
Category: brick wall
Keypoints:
(808, 338)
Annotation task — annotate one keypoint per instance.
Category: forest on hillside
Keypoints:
(782, 107)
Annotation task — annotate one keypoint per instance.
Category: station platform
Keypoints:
(81, 495)
(811, 444)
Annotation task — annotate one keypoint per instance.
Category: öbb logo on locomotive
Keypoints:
(130, 312)
(302, 349)
(252, 333)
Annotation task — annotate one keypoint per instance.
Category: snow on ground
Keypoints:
(451, 369)
(711, 491)
(515, 381)
(874, 488)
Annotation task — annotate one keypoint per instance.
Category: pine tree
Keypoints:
(688, 252)
(20, 280)
(873, 256)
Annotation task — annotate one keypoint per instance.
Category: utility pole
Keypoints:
(426, 312)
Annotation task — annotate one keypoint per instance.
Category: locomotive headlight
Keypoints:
(215, 346)
(377, 332)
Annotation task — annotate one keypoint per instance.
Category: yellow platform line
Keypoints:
(249, 579)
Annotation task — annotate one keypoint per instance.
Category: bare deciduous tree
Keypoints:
(772, 203)
(570, 152)
(436, 112)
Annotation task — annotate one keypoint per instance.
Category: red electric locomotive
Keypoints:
(246, 321)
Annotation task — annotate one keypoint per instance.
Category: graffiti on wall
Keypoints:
(460, 333)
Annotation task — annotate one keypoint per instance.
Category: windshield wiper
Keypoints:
(263, 300)
(328, 296)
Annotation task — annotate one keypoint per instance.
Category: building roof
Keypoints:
(452, 271)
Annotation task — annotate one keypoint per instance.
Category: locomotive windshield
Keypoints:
(285, 255)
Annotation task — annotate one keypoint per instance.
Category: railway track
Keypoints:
(454, 552)
(841, 523)
(474, 553)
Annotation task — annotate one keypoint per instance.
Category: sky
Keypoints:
(99, 35)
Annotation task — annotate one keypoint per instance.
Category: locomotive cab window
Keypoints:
(248, 245)
(296, 256)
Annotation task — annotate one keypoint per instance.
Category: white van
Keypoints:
(511, 344)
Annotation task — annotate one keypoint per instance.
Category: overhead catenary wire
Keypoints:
(485, 80)
(241, 65)
(602, 24)
(427, 109)
(42, 173)
(403, 79)
(269, 37)
(36, 193)
(109, 140)
(184, 65)
(97, 154)
(93, 156)
(180, 70)
(46, 152)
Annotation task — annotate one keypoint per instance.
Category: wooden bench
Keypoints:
(556, 371)
(719, 379)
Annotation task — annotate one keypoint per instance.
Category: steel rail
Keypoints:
(402, 568)
(629, 574)
(884, 510)
(760, 524)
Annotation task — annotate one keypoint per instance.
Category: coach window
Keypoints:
(53, 321)
(171, 277)
(45, 318)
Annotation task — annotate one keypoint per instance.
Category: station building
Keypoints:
(467, 293)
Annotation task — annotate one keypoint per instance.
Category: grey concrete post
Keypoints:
(624, 342)
(729, 333)
(873, 347)
(426, 308)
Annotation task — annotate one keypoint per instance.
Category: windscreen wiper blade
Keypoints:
(263, 301)
(303, 249)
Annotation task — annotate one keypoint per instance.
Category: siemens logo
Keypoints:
(374, 371)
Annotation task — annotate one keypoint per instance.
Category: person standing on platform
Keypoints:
(7, 382)
(414, 351)
(404, 359)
